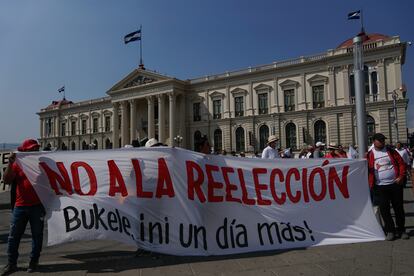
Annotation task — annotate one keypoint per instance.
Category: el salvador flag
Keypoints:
(62, 89)
(132, 37)
(354, 15)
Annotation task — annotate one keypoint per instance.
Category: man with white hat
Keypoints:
(271, 152)
(318, 152)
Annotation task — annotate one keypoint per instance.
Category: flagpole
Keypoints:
(362, 22)
(141, 65)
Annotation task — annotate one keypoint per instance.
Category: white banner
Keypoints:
(180, 202)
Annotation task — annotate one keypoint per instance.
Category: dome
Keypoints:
(368, 39)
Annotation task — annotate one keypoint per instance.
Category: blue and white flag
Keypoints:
(354, 15)
(132, 37)
(62, 89)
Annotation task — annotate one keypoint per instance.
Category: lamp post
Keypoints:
(359, 94)
(178, 139)
(394, 105)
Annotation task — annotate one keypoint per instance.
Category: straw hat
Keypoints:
(272, 138)
(333, 146)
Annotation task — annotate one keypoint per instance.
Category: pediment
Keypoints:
(239, 90)
(216, 94)
(318, 78)
(139, 77)
(289, 83)
(263, 86)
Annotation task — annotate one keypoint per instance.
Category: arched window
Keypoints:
(73, 146)
(218, 140)
(95, 144)
(240, 146)
(84, 145)
(64, 147)
(291, 136)
(370, 129)
(197, 138)
(108, 144)
(263, 136)
(320, 131)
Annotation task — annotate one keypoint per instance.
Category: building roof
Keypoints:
(368, 39)
(59, 103)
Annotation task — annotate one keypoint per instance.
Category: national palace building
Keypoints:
(302, 101)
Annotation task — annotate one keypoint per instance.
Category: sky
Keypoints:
(46, 44)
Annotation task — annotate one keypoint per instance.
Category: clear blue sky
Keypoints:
(78, 43)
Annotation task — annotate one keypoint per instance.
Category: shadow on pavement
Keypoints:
(118, 261)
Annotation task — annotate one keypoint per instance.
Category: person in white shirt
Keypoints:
(386, 173)
(405, 156)
(271, 152)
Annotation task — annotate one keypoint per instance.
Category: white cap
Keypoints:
(151, 142)
(319, 144)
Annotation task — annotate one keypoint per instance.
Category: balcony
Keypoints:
(196, 118)
(289, 108)
(217, 116)
(263, 111)
(318, 105)
(239, 114)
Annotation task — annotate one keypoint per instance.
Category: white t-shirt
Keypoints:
(384, 169)
(404, 155)
(270, 153)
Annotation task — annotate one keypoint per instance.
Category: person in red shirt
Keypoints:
(386, 174)
(332, 151)
(27, 208)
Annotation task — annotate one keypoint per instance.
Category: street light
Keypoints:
(178, 139)
(394, 104)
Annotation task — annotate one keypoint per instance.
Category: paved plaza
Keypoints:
(80, 258)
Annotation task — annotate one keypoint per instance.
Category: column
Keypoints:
(172, 118)
(151, 125)
(124, 123)
(41, 128)
(161, 119)
(56, 126)
(345, 79)
(274, 98)
(226, 103)
(115, 126)
(331, 87)
(382, 90)
(133, 120)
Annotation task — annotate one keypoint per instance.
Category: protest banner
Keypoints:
(180, 202)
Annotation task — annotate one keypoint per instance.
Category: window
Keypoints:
(73, 146)
(197, 138)
(73, 127)
(49, 127)
(291, 136)
(320, 131)
(239, 106)
(217, 109)
(374, 85)
(218, 140)
(119, 122)
(263, 136)
(83, 126)
(107, 123)
(318, 96)
(196, 112)
(95, 144)
(370, 129)
(240, 144)
(366, 80)
(64, 147)
(95, 125)
(84, 146)
(63, 129)
(289, 100)
(263, 103)
(352, 85)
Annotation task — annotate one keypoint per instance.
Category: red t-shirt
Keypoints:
(25, 194)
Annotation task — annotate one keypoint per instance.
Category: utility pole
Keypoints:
(360, 94)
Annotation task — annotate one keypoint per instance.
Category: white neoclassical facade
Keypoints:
(302, 101)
